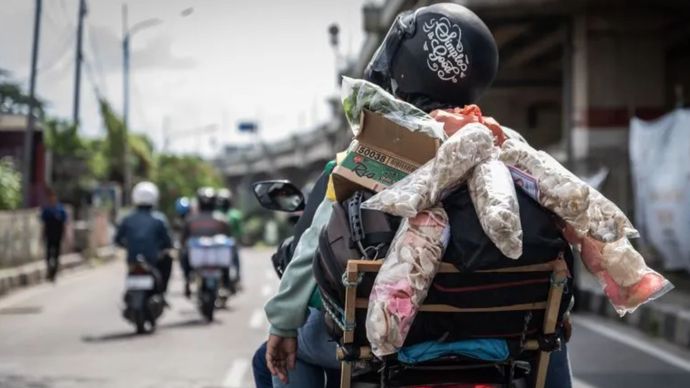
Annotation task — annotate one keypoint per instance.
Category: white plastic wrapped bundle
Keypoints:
(406, 196)
(559, 190)
(427, 185)
(621, 271)
(625, 265)
(495, 201)
(607, 222)
(404, 279)
(468, 147)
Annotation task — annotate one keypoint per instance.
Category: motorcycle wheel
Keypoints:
(140, 323)
(207, 309)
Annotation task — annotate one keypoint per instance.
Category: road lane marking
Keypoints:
(266, 290)
(641, 345)
(577, 383)
(235, 376)
(257, 321)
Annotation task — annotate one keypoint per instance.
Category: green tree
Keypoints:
(113, 147)
(179, 176)
(62, 137)
(12, 97)
(71, 173)
(141, 161)
(10, 186)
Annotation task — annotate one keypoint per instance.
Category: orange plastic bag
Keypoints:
(456, 118)
(621, 271)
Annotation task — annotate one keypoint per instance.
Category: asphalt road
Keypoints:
(71, 335)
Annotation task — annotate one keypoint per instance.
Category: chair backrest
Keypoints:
(545, 305)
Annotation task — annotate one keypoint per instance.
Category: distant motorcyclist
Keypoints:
(206, 222)
(145, 232)
(224, 205)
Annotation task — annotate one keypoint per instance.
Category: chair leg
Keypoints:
(542, 368)
(345, 374)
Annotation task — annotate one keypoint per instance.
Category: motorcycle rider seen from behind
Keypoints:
(404, 68)
(206, 222)
(145, 233)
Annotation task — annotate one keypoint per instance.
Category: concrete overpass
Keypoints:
(572, 73)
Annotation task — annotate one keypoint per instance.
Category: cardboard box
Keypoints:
(380, 155)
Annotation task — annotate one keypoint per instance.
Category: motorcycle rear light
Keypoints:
(138, 270)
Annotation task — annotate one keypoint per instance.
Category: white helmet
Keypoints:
(145, 194)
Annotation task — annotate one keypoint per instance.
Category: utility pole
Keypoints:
(27, 167)
(125, 104)
(77, 62)
(166, 133)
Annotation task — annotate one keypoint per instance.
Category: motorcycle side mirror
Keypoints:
(279, 195)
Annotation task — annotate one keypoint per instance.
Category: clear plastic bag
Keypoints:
(428, 184)
(607, 222)
(404, 279)
(559, 190)
(406, 196)
(621, 271)
(495, 201)
(358, 95)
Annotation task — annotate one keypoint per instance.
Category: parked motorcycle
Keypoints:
(210, 258)
(143, 303)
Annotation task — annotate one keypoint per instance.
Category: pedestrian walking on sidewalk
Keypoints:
(54, 217)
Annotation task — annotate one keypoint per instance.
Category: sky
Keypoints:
(227, 61)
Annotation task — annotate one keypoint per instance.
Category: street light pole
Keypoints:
(77, 62)
(127, 178)
(334, 32)
(27, 165)
(127, 33)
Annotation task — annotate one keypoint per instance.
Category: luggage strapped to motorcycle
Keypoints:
(544, 342)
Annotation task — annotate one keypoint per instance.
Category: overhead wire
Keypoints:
(66, 36)
(96, 55)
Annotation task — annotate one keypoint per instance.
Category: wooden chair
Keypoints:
(551, 305)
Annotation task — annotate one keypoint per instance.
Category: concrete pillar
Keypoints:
(618, 71)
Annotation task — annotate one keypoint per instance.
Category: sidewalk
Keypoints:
(668, 317)
(35, 272)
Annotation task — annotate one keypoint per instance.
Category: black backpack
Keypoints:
(351, 233)
(469, 249)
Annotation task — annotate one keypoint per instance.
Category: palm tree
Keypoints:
(13, 99)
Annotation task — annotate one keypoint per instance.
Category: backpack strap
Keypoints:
(354, 215)
(368, 243)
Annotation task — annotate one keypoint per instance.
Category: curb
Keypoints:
(35, 272)
(658, 319)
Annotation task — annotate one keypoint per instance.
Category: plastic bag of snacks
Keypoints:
(607, 222)
(404, 279)
(426, 186)
(358, 95)
(621, 271)
(495, 201)
(558, 189)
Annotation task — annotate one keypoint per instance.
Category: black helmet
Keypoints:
(224, 200)
(439, 56)
(206, 199)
